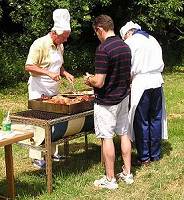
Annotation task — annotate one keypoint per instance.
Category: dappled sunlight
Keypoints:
(175, 116)
(12, 105)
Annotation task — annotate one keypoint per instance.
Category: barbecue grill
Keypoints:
(57, 128)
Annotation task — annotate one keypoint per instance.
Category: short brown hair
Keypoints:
(103, 21)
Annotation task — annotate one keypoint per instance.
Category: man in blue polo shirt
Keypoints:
(111, 84)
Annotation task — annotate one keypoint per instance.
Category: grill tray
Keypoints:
(38, 104)
(36, 115)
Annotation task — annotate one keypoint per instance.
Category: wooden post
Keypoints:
(9, 171)
(48, 157)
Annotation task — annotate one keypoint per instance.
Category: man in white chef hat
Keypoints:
(147, 113)
(124, 31)
(45, 65)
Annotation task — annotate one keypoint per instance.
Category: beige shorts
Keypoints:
(109, 120)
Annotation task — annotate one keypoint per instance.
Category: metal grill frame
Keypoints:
(47, 124)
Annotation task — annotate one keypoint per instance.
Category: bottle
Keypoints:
(6, 124)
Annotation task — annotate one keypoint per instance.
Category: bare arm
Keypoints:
(68, 76)
(97, 80)
(42, 71)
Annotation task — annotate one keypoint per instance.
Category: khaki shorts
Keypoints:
(109, 120)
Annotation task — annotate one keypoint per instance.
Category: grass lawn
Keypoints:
(74, 178)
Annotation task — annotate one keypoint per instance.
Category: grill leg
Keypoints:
(86, 143)
(66, 148)
(48, 158)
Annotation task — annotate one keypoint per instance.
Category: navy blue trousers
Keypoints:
(147, 125)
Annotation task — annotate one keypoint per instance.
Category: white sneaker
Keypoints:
(128, 179)
(58, 158)
(105, 183)
(39, 164)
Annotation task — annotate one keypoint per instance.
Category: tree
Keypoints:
(166, 17)
(22, 21)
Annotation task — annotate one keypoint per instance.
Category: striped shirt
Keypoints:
(113, 58)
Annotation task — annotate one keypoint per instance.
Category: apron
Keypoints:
(38, 85)
(139, 85)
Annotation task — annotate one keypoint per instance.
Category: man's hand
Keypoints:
(69, 77)
(86, 79)
(54, 76)
(97, 80)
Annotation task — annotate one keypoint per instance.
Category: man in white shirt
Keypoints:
(147, 111)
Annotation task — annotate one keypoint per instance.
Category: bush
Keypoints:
(174, 53)
(79, 60)
(12, 63)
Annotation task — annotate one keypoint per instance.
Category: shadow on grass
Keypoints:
(33, 183)
(166, 148)
(119, 161)
(174, 69)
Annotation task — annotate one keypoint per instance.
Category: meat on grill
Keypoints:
(59, 99)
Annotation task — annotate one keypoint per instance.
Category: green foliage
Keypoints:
(1, 12)
(174, 53)
(80, 60)
(36, 16)
(11, 62)
(161, 16)
(28, 20)
(23, 21)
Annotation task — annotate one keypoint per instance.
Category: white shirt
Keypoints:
(147, 65)
(147, 60)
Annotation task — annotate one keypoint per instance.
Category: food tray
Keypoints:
(38, 104)
(78, 93)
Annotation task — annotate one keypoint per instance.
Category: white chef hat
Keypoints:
(129, 25)
(61, 19)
